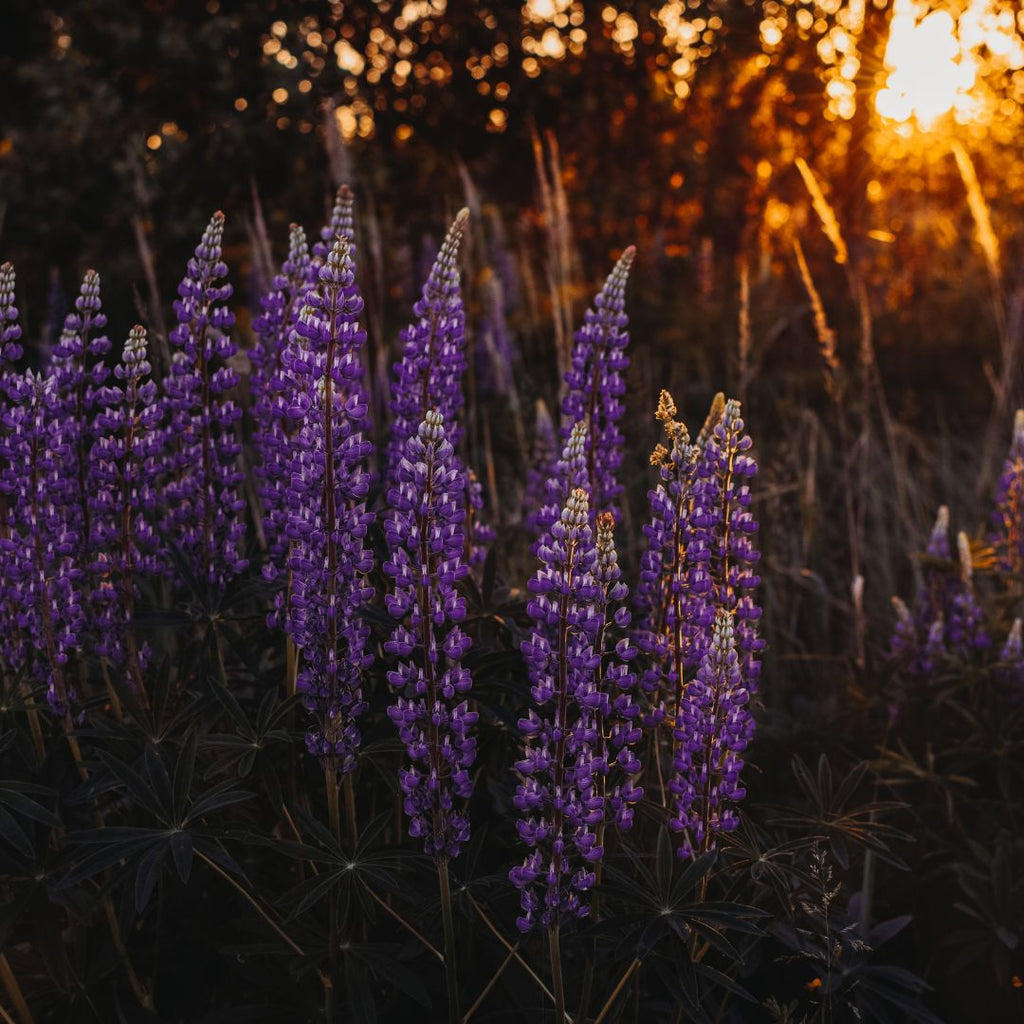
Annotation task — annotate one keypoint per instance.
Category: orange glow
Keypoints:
(936, 61)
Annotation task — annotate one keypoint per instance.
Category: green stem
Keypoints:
(448, 924)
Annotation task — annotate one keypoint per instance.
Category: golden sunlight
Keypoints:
(935, 57)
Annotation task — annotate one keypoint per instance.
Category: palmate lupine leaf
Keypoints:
(177, 831)
(17, 801)
(832, 813)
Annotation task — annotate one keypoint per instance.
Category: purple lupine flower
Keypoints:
(12, 648)
(1008, 516)
(595, 385)
(429, 376)
(429, 373)
(904, 646)
(270, 384)
(568, 472)
(78, 371)
(672, 598)
(724, 529)
(938, 539)
(698, 616)
(1010, 671)
(621, 728)
(543, 455)
(123, 470)
(203, 495)
(327, 514)
(965, 627)
(580, 722)
(425, 527)
(10, 329)
(341, 223)
(41, 575)
(712, 729)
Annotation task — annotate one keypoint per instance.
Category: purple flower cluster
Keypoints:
(326, 498)
(123, 467)
(584, 724)
(429, 373)
(41, 576)
(201, 454)
(10, 329)
(543, 454)
(595, 385)
(700, 564)
(424, 527)
(1010, 671)
(712, 729)
(429, 376)
(1008, 516)
(568, 472)
(11, 640)
(269, 386)
(78, 373)
(948, 620)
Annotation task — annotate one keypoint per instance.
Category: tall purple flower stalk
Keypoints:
(947, 618)
(203, 491)
(40, 571)
(1008, 516)
(583, 724)
(429, 373)
(123, 466)
(327, 514)
(568, 472)
(543, 454)
(672, 597)
(78, 370)
(595, 385)
(698, 618)
(425, 534)
(429, 376)
(270, 385)
(712, 729)
(12, 647)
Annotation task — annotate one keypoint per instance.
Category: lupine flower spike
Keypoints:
(270, 386)
(122, 472)
(595, 385)
(41, 573)
(78, 372)
(543, 454)
(429, 376)
(713, 727)
(429, 373)
(672, 593)
(1008, 517)
(204, 479)
(1011, 669)
(424, 530)
(327, 514)
(582, 724)
(11, 637)
(965, 629)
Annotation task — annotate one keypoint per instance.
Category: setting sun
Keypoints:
(935, 58)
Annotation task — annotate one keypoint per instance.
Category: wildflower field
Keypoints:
(530, 524)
